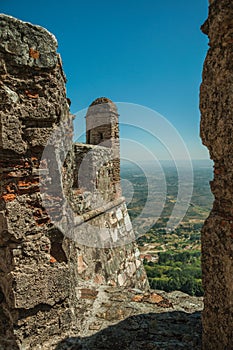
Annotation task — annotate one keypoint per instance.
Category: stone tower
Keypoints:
(102, 128)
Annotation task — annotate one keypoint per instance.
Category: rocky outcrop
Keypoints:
(216, 104)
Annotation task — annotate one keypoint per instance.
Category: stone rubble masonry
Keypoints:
(216, 104)
(91, 176)
(47, 280)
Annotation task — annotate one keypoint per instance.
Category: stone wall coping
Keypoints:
(89, 146)
(80, 219)
(30, 25)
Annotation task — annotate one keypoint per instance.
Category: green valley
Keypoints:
(172, 258)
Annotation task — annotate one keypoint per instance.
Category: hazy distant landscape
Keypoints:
(172, 259)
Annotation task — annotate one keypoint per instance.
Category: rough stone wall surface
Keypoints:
(105, 241)
(106, 255)
(35, 276)
(216, 104)
(130, 319)
(45, 276)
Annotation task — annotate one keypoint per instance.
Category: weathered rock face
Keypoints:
(47, 275)
(35, 289)
(216, 104)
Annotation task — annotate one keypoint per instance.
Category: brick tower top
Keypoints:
(102, 125)
(101, 100)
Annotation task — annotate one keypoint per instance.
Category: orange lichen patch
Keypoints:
(25, 184)
(34, 53)
(152, 298)
(8, 197)
(9, 193)
(137, 298)
(155, 298)
(9, 189)
(31, 94)
(35, 161)
(52, 259)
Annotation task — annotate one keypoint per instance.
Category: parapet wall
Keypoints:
(47, 275)
(36, 277)
(88, 171)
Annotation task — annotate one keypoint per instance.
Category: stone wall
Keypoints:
(46, 272)
(88, 172)
(36, 301)
(216, 104)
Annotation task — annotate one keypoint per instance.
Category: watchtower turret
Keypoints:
(102, 128)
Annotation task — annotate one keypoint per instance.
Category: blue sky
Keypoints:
(147, 52)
